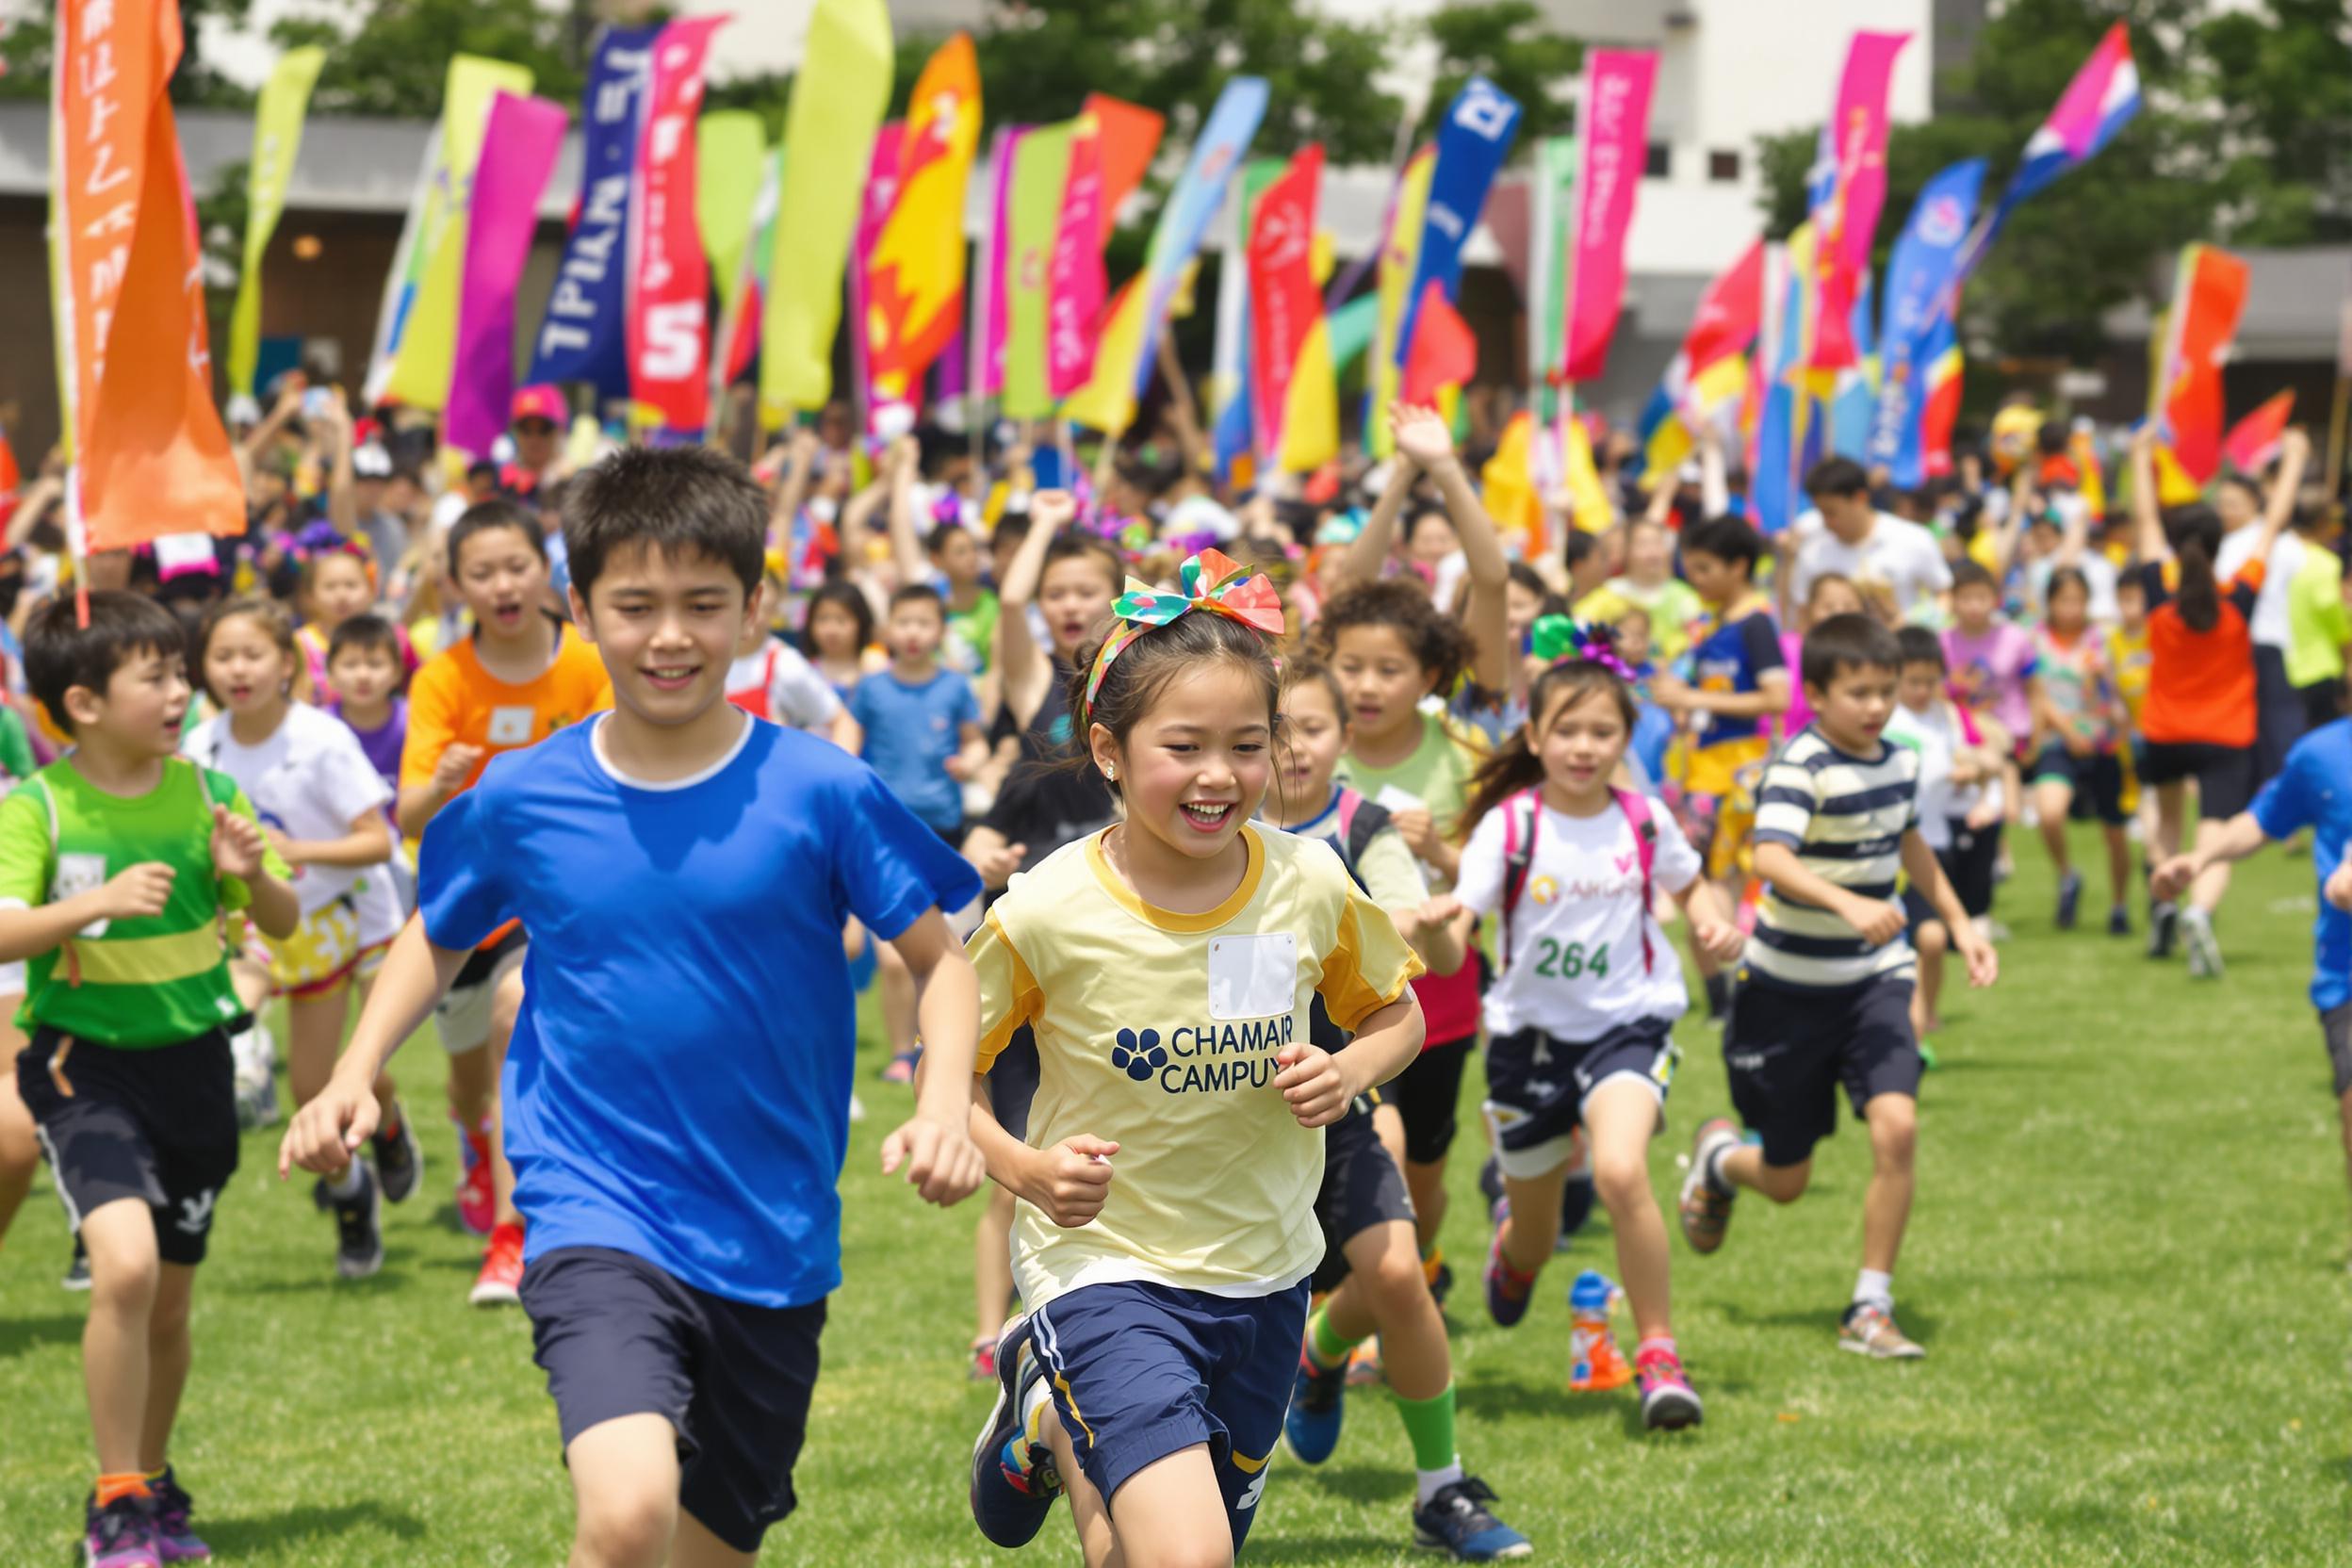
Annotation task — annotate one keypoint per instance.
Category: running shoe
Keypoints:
(2069, 899)
(2197, 934)
(2164, 920)
(984, 1360)
(77, 1269)
(1706, 1212)
(901, 1069)
(1507, 1291)
(175, 1541)
(399, 1158)
(1456, 1521)
(358, 1224)
(2119, 922)
(500, 1281)
(1014, 1481)
(1364, 1364)
(1316, 1408)
(1439, 1276)
(477, 1199)
(1869, 1329)
(254, 1066)
(1669, 1403)
(120, 1535)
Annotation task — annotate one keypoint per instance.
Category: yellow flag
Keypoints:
(1401, 256)
(838, 96)
(1587, 502)
(428, 348)
(1507, 486)
(730, 156)
(277, 140)
(2174, 487)
(1310, 407)
(1107, 401)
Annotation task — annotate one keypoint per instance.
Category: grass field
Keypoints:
(2128, 1261)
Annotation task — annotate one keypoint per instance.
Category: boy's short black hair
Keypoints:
(1837, 476)
(1010, 528)
(484, 515)
(364, 633)
(920, 593)
(1728, 539)
(1973, 574)
(61, 653)
(1920, 646)
(679, 500)
(1845, 643)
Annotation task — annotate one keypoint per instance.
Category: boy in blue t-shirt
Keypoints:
(922, 722)
(2314, 790)
(677, 1094)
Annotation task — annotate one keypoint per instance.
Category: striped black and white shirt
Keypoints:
(1845, 817)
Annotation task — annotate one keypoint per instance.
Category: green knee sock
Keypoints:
(1430, 1422)
(1326, 1346)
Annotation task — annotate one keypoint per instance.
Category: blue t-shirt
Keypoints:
(2314, 790)
(679, 1083)
(1734, 658)
(910, 734)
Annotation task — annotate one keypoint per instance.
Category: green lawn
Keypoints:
(2128, 1261)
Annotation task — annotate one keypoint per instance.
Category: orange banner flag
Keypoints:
(150, 456)
(1130, 135)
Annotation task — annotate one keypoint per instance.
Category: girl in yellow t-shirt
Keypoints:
(1167, 966)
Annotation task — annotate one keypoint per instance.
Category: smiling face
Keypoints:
(1314, 735)
(1581, 742)
(666, 627)
(141, 710)
(1195, 766)
(501, 579)
(1075, 594)
(245, 669)
(1384, 683)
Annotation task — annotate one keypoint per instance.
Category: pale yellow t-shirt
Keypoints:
(1158, 1031)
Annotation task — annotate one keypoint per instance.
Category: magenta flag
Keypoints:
(999, 260)
(1849, 185)
(873, 211)
(1617, 85)
(518, 146)
(1076, 283)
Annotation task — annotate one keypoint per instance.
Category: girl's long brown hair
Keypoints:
(1514, 766)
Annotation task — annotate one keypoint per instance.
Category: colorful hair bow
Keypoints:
(1556, 638)
(1210, 581)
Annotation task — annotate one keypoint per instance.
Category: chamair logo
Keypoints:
(1204, 1058)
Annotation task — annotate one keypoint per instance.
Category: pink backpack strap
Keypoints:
(1348, 801)
(1638, 815)
(1969, 729)
(1521, 814)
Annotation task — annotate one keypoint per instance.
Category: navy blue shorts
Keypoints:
(1143, 1371)
(1536, 1086)
(1789, 1050)
(619, 1336)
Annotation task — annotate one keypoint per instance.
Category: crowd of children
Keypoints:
(1264, 826)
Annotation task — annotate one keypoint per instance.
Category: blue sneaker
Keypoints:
(1457, 1522)
(1507, 1291)
(2069, 899)
(1312, 1428)
(1013, 1478)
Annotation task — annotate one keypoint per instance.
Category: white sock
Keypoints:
(1033, 1413)
(1715, 1177)
(1876, 1288)
(1429, 1484)
(354, 1177)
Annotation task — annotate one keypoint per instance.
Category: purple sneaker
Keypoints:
(120, 1535)
(175, 1541)
(1507, 1291)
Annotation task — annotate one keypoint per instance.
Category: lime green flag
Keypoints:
(277, 139)
(1040, 171)
(731, 156)
(838, 96)
(427, 335)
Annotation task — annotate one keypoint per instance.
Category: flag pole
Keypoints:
(2333, 472)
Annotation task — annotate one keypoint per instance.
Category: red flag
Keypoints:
(2208, 300)
(2253, 441)
(1729, 315)
(1281, 289)
(1130, 135)
(1444, 349)
(669, 328)
(150, 455)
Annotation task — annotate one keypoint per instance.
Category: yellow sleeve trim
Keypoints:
(1027, 1002)
(1353, 998)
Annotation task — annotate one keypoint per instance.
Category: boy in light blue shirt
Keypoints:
(922, 722)
(677, 1088)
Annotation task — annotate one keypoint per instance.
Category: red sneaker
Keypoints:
(477, 1203)
(500, 1281)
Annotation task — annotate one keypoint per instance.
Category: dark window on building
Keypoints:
(1722, 167)
(1660, 161)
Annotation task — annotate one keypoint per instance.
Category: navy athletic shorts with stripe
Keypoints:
(1142, 1371)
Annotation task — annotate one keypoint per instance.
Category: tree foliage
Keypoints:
(392, 56)
(29, 43)
(2277, 79)
(1507, 42)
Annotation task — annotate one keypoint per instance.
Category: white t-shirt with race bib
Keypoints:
(310, 781)
(1574, 969)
